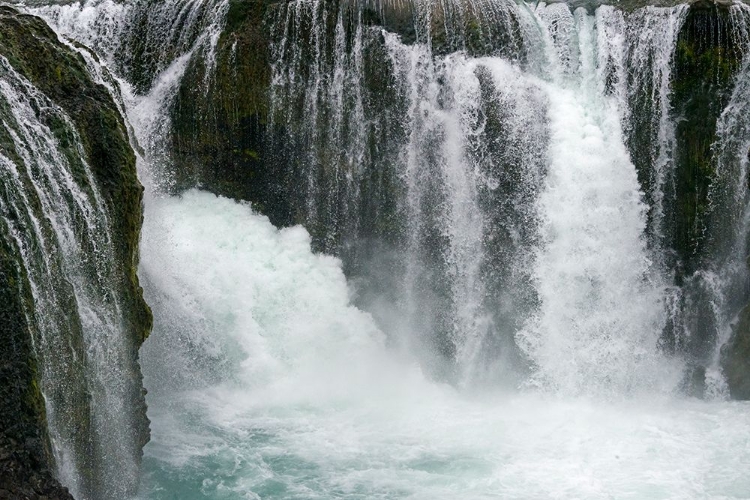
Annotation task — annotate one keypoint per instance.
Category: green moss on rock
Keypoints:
(59, 72)
(24, 444)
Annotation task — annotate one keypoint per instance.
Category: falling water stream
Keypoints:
(517, 354)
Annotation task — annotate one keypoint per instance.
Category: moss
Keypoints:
(26, 461)
(30, 45)
(242, 11)
(23, 403)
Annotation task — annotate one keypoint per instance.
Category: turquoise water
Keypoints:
(513, 447)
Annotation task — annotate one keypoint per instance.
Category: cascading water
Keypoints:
(128, 33)
(417, 133)
(642, 54)
(477, 178)
(471, 156)
(601, 311)
(58, 225)
(275, 387)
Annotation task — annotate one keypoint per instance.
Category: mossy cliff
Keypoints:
(26, 461)
(26, 468)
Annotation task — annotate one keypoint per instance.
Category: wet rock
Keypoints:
(735, 358)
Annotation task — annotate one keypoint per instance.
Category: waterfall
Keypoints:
(489, 192)
(433, 164)
(413, 174)
(139, 39)
(722, 280)
(467, 152)
(601, 311)
(643, 65)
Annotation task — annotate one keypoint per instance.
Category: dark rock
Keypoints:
(735, 358)
(706, 59)
(24, 477)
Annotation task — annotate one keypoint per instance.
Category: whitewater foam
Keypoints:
(311, 404)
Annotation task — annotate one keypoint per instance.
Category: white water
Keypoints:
(301, 398)
(602, 302)
(274, 307)
(601, 316)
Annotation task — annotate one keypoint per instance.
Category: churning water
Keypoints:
(266, 383)
(529, 252)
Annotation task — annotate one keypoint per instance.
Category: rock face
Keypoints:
(230, 135)
(231, 138)
(54, 92)
(736, 358)
(26, 466)
(697, 230)
(24, 477)
(706, 60)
